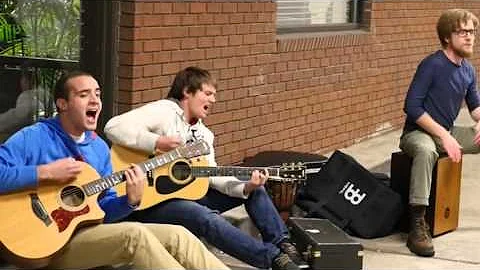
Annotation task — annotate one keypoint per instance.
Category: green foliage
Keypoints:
(52, 27)
(7, 6)
(11, 33)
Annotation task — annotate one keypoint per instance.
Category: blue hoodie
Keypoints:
(45, 142)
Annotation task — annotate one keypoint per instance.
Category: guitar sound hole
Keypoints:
(181, 171)
(72, 196)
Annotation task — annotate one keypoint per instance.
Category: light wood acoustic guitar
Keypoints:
(37, 222)
(171, 180)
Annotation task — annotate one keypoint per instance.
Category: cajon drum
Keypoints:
(444, 202)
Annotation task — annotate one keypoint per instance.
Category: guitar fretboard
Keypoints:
(231, 171)
(187, 151)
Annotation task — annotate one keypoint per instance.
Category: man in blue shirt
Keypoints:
(50, 151)
(443, 80)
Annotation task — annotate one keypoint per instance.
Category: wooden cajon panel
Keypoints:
(445, 204)
(443, 210)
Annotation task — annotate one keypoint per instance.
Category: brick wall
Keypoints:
(312, 93)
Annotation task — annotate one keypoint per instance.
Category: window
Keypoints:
(38, 41)
(318, 15)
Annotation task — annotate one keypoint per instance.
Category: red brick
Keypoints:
(129, 96)
(221, 19)
(179, 56)
(162, 8)
(170, 68)
(214, 7)
(243, 29)
(161, 81)
(205, 42)
(162, 57)
(141, 83)
(229, 7)
(247, 61)
(241, 71)
(198, 7)
(130, 46)
(229, 30)
(220, 41)
(188, 43)
(236, 18)
(152, 70)
(250, 18)
(214, 30)
(249, 39)
(171, 19)
(171, 44)
(144, 8)
(152, 45)
(131, 20)
(151, 95)
(213, 53)
(189, 19)
(130, 72)
(198, 55)
(152, 20)
(197, 31)
(243, 7)
(235, 40)
(205, 19)
(180, 8)
(220, 63)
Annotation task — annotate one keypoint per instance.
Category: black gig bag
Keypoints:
(352, 198)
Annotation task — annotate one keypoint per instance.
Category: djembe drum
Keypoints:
(283, 192)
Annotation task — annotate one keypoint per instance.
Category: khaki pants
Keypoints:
(146, 246)
(425, 150)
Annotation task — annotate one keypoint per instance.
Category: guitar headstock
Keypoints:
(194, 149)
(293, 171)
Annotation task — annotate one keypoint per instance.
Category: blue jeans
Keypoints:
(202, 218)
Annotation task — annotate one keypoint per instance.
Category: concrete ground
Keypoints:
(459, 249)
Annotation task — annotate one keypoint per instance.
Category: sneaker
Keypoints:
(289, 249)
(283, 262)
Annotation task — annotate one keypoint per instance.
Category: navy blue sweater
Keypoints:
(438, 88)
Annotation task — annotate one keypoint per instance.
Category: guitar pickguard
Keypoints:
(63, 217)
(164, 185)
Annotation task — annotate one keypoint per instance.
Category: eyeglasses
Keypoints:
(466, 32)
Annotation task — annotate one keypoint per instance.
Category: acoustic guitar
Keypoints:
(38, 222)
(170, 181)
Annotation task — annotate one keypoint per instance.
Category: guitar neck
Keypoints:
(200, 171)
(114, 179)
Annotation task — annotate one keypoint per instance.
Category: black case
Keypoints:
(325, 246)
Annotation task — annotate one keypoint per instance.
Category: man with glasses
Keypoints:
(443, 80)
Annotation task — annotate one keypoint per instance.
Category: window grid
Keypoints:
(317, 15)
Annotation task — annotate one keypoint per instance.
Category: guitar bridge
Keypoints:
(39, 209)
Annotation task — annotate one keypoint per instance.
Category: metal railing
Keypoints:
(26, 90)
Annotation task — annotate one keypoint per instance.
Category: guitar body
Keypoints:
(31, 237)
(162, 183)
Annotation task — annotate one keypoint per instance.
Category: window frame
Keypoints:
(356, 15)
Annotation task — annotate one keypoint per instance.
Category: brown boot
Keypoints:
(419, 238)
